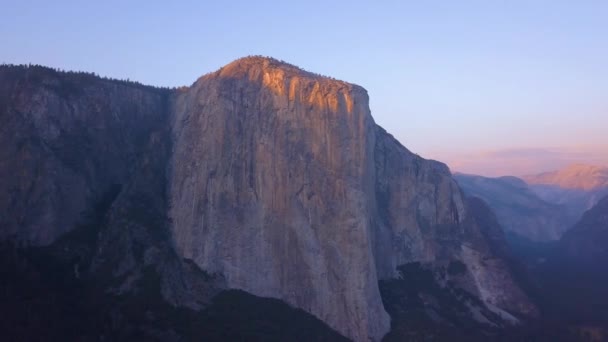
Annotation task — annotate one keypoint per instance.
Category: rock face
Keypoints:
(422, 217)
(418, 207)
(70, 141)
(518, 208)
(271, 174)
(271, 179)
(64, 141)
(282, 183)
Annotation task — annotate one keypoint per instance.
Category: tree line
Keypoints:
(42, 68)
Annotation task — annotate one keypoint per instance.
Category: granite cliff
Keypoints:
(259, 177)
(270, 176)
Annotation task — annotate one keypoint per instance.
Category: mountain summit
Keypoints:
(245, 65)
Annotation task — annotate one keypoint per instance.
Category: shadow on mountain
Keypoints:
(50, 294)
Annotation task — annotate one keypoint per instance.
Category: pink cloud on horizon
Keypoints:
(522, 161)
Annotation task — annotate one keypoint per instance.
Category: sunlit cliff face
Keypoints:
(305, 87)
(282, 182)
(270, 169)
(317, 103)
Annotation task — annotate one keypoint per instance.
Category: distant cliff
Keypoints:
(577, 176)
(577, 187)
(518, 208)
(260, 177)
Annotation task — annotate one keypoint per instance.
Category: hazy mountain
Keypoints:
(576, 177)
(144, 209)
(578, 187)
(539, 207)
(567, 277)
(519, 209)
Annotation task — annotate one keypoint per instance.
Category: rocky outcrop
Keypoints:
(271, 174)
(260, 177)
(423, 218)
(493, 268)
(419, 209)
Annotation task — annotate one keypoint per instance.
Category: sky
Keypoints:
(489, 87)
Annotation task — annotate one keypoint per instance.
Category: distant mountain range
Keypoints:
(540, 207)
(578, 187)
(575, 177)
(557, 227)
(518, 208)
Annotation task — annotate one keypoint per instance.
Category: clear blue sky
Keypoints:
(450, 79)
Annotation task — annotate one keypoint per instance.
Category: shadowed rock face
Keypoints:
(63, 142)
(574, 278)
(422, 217)
(67, 140)
(586, 242)
(419, 209)
(275, 180)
